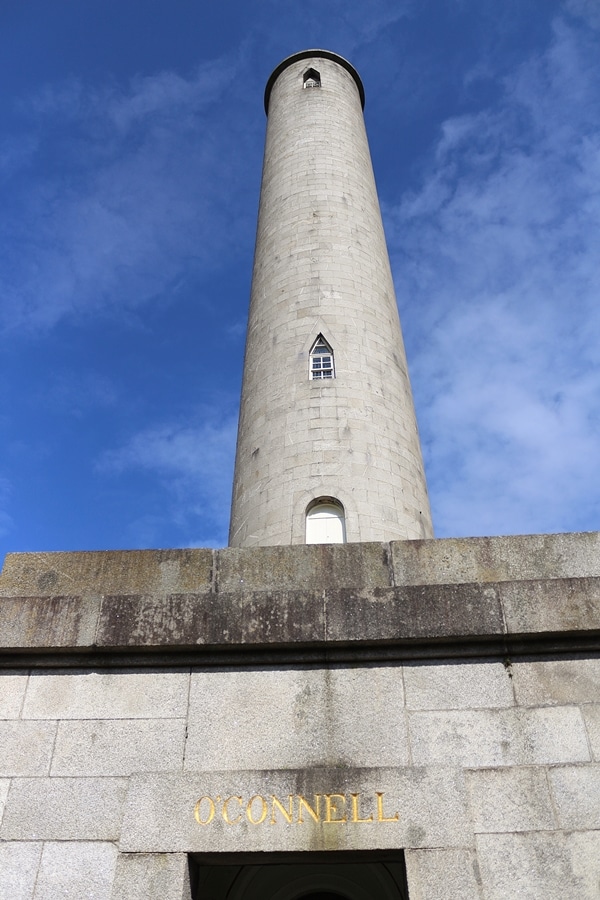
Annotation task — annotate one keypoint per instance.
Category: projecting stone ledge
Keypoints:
(355, 601)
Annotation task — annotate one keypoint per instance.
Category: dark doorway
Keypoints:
(299, 876)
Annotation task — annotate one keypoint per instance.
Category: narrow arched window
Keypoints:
(321, 360)
(325, 522)
(312, 79)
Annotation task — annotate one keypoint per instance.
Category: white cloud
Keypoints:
(194, 464)
(121, 199)
(498, 273)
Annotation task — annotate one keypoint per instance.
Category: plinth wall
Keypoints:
(437, 697)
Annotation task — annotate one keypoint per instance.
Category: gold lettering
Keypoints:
(263, 812)
(211, 811)
(332, 809)
(287, 813)
(304, 804)
(225, 811)
(380, 815)
(355, 815)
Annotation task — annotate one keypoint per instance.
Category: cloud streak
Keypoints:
(497, 266)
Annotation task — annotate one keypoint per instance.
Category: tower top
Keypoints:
(313, 54)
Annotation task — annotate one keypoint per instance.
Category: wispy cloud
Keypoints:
(498, 273)
(194, 464)
(119, 199)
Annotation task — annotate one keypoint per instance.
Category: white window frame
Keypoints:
(321, 361)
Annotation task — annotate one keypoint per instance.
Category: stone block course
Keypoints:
(121, 747)
(26, 747)
(457, 685)
(12, 692)
(64, 809)
(151, 876)
(557, 681)
(532, 866)
(19, 863)
(510, 799)
(443, 875)
(591, 716)
(490, 738)
(576, 792)
(278, 719)
(75, 871)
(121, 694)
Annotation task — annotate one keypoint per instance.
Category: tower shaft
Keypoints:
(326, 413)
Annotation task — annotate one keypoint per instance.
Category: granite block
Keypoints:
(274, 718)
(510, 799)
(236, 811)
(591, 717)
(568, 604)
(576, 791)
(101, 747)
(557, 681)
(72, 871)
(531, 866)
(56, 621)
(490, 738)
(443, 875)
(151, 876)
(121, 694)
(19, 863)
(4, 785)
(26, 747)
(457, 684)
(64, 809)
(12, 692)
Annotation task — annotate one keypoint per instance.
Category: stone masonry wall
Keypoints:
(487, 762)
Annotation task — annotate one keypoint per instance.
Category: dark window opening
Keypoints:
(312, 79)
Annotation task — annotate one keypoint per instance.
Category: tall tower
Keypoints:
(328, 447)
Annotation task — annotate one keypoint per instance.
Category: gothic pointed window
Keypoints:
(312, 79)
(321, 360)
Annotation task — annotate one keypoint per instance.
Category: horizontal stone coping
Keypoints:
(347, 623)
(448, 561)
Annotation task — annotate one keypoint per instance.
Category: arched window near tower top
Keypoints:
(321, 360)
(312, 79)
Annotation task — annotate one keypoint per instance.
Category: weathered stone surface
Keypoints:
(64, 809)
(457, 684)
(93, 574)
(18, 869)
(76, 870)
(4, 785)
(591, 717)
(101, 747)
(26, 747)
(584, 854)
(12, 692)
(121, 694)
(258, 617)
(532, 866)
(151, 876)
(48, 622)
(576, 791)
(560, 681)
(570, 604)
(510, 799)
(490, 559)
(276, 718)
(430, 808)
(413, 612)
(443, 875)
(310, 568)
(490, 738)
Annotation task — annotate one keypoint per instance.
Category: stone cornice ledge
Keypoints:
(416, 599)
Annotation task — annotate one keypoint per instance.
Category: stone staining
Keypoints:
(321, 273)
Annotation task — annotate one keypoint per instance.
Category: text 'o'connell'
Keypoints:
(326, 809)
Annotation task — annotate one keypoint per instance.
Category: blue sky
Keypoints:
(131, 137)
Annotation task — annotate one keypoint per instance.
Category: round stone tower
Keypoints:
(328, 447)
